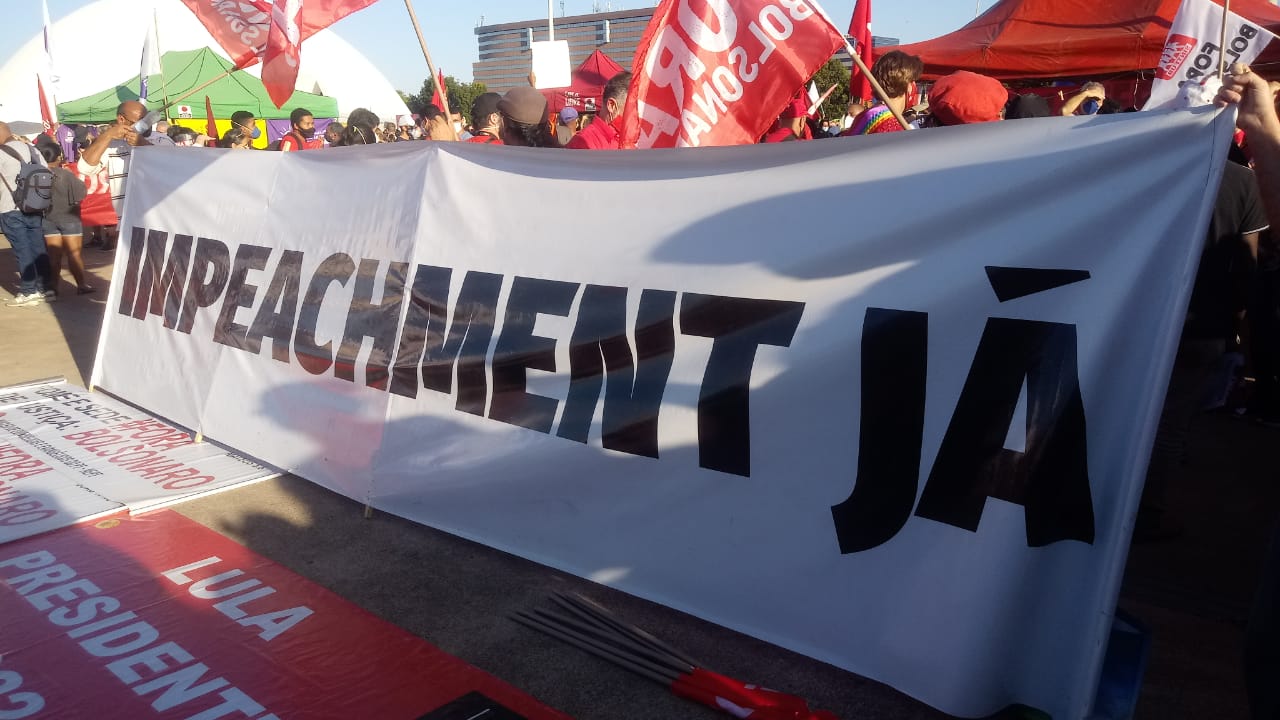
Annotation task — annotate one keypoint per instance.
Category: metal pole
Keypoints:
(164, 81)
(551, 30)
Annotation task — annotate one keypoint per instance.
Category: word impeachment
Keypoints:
(178, 278)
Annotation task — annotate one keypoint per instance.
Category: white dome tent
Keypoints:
(100, 45)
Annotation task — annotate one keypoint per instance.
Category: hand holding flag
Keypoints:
(1191, 53)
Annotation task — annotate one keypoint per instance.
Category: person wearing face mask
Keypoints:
(302, 133)
(604, 132)
(108, 156)
(246, 122)
(234, 139)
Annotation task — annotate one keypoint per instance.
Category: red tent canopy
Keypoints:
(1026, 39)
(583, 94)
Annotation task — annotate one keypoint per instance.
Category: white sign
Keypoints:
(67, 455)
(910, 446)
(551, 67)
(1191, 53)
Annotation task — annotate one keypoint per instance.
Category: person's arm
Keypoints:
(91, 158)
(1090, 91)
(1257, 117)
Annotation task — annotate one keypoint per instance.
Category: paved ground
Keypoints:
(1193, 592)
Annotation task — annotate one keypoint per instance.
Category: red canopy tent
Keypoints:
(583, 94)
(1045, 39)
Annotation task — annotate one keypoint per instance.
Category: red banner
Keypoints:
(160, 617)
(96, 209)
(719, 72)
(243, 27)
(284, 47)
(47, 114)
(860, 31)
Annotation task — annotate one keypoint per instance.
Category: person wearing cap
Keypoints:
(486, 121)
(1027, 105)
(965, 97)
(566, 127)
(897, 72)
(524, 118)
(791, 123)
(605, 132)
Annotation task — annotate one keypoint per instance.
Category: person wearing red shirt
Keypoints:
(790, 123)
(603, 132)
(302, 134)
(486, 121)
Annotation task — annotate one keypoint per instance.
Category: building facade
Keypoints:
(504, 49)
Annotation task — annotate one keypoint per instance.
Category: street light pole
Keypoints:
(551, 31)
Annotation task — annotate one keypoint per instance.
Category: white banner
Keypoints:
(895, 419)
(67, 455)
(1192, 53)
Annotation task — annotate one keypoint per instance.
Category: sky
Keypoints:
(384, 34)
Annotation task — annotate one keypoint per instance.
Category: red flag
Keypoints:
(210, 125)
(860, 31)
(720, 73)
(271, 31)
(440, 88)
(47, 114)
(284, 48)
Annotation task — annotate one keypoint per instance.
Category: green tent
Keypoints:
(189, 69)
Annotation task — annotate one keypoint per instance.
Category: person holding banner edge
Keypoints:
(1257, 117)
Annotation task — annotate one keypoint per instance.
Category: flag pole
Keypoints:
(431, 67)
(164, 81)
(1222, 42)
(200, 87)
(875, 84)
(857, 60)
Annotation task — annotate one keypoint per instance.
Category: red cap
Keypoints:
(967, 97)
(797, 108)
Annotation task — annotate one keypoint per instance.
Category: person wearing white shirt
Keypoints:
(22, 230)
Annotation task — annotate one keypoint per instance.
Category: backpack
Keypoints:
(33, 191)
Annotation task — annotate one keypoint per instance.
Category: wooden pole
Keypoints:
(880, 93)
(195, 90)
(431, 67)
(1222, 42)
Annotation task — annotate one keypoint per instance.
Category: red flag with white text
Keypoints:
(860, 31)
(719, 72)
(270, 31)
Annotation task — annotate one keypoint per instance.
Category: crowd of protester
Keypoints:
(1236, 292)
